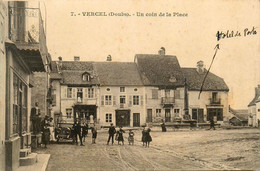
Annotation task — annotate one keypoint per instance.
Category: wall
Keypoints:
(66, 102)
(3, 33)
(115, 93)
(204, 100)
(39, 91)
(56, 90)
(156, 103)
(257, 114)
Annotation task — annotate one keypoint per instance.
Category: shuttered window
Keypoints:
(154, 94)
(177, 94)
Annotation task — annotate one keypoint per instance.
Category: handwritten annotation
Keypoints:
(231, 34)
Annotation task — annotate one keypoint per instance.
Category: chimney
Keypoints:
(200, 67)
(109, 58)
(161, 51)
(59, 64)
(76, 58)
(257, 90)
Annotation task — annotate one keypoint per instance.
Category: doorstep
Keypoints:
(41, 165)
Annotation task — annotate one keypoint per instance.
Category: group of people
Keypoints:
(80, 131)
(146, 137)
(47, 130)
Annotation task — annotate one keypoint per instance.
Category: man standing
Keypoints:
(35, 113)
(212, 124)
(78, 133)
(111, 133)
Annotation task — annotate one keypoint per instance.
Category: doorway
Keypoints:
(167, 115)
(136, 119)
(149, 115)
(122, 117)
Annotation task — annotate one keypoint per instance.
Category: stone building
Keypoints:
(213, 100)
(152, 89)
(22, 51)
(163, 82)
(254, 109)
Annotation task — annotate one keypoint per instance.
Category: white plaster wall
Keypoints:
(115, 92)
(204, 100)
(156, 103)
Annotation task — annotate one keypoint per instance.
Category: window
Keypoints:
(176, 112)
(68, 113)
(69, 92)
(19, 105)
(79, 95)
(154, 94)
(122, 99)
(135, 89)
(135, 100)
(108, 100)
(167, 93)
(158, 112)
(86, 77)
(177, 94)
(215, 113)
(214, 96)
(91, 93)
(108, 89)
(122, 89)
(108, 117)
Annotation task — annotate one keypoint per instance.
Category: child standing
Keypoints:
(131, 137)
(94, 133)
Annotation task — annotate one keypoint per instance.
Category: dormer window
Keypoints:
(86, 77)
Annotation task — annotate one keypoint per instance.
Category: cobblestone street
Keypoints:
(220, 149)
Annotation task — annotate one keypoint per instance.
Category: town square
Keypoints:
(133, 85)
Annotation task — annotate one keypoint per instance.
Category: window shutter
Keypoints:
(177, 94)
(181, 94)
(102, 100)
(74, 92)
(142, 100)
(95, 92)
(53, 100)
(154, 94)
(171, 93)
(130, 100)
(114, 100)
(65, 89)
(162, 93)
(86, 92)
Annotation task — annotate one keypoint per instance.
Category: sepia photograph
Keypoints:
(129, 85)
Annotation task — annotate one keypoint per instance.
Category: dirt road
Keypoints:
(182, 150)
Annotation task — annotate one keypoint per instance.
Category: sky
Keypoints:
(190, 38)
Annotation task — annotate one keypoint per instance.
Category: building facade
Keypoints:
(254, 109)
(74, 90)
(22, 51)
(152, 89)
(212, 102)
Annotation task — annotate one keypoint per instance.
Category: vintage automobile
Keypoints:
(64, 132)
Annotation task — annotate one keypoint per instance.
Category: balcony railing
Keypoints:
(26, 28)
(215, 101)
(167, 100)
(122, 105)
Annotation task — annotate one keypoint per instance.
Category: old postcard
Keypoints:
(130, 85)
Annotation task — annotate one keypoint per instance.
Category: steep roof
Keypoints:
(72, 72)
(159, 70)
(256, 99)
(75, 78)
(54, 71)
(241, 114)
(212, 82)
(117, 73)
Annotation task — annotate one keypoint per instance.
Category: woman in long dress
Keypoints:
(120, 135)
